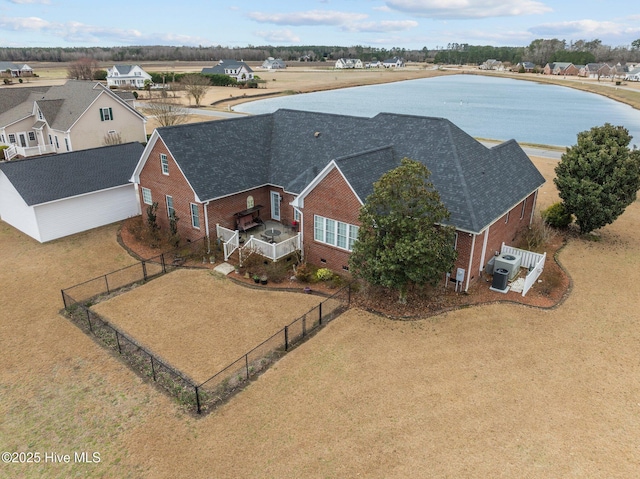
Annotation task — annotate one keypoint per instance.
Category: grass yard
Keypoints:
(199, 322)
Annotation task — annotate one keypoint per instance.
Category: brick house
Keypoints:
(318, 169)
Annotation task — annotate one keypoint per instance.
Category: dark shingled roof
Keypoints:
(289, 148)
(49, 178)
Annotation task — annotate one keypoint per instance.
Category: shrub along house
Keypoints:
(318, 169)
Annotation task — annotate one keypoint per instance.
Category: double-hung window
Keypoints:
(146, 196)
(164, 162)
(334, 233)
(32, 136)
(195, 216)
(106, 114)
(170, 211)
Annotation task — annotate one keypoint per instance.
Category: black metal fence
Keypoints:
(204, 396)
(90, 291)
(236, 375)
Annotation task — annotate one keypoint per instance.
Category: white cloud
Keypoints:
(77, 33)
(580, 29)
(311, 17)
(383, 8)
(25, 23)
(279, 36)
(384, 26)
(468, 8)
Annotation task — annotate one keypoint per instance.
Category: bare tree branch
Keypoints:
(167, 113)
(196, 86)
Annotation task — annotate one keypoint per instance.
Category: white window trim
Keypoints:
(146, 193)
(349, 228)
(195, 215)
(164, 164)
(170, 207)
(524, 207)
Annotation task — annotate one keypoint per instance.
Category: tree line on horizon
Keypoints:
(539, 52)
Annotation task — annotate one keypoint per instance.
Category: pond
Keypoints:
(484, 107)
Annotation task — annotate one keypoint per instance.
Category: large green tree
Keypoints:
(599, 176)
(402, 240)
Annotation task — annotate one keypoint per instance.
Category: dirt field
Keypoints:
(492, 391)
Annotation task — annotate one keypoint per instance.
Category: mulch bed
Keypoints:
(552, 288)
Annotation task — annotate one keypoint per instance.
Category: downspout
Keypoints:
(473, 248)
(206, 227)
(300, 232)
(533, 207)
(483, 256)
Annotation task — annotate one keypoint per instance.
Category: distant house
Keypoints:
(233, 68)
(54, 196)
(317, 169)
(395, 62)
(525, 67)
(74, 116)
(9, 69)
(596, 71)
(373, 64)
(561, 68)
(633, 75)
(348, 63)
(273, 64)
(131, 76)
(492, 64)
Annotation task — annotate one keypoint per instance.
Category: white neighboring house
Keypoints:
(13, 70)
(131, 76)
(233, 68)
(349, 63)
(50, 197)
(395, 62)
(492, 64)
(633, 75)
(74, 116)
(273, 64)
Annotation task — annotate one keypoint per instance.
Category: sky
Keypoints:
(410, 24)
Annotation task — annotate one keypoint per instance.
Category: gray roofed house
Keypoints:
(13, 70)
(233, 68)
(273, 64)
(76, 115)
(49, 197)
(293, 157)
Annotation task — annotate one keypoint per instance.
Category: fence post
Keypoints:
(64, 300)
(144, 270)
(118, 341)
(286, 338)
(304, 325)
(246, 364)
(349, 295)
(320, 313)
(106, 282)
(153, 369)
(86, 310)
(164, 266)
(198, 400)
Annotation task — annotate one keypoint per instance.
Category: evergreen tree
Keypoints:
(402, 240)
(599, 176)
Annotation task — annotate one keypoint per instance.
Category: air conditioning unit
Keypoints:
(510, 262)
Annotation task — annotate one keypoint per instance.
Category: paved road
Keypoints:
(531, 151)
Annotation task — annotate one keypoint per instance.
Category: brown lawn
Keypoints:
(199, 322)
